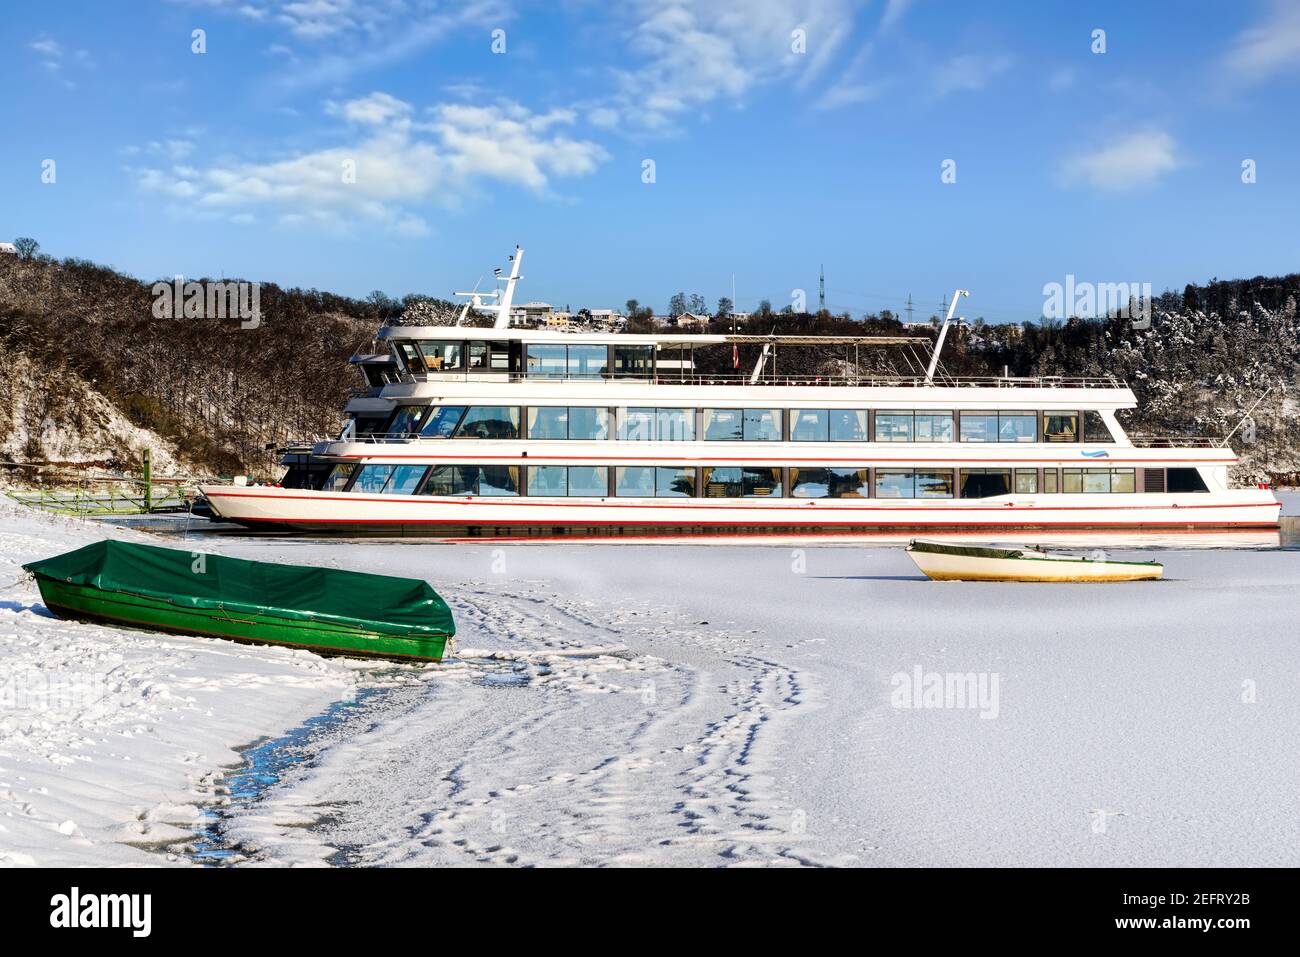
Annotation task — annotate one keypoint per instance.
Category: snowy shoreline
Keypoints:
(112, 738)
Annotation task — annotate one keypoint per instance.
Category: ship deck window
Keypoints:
(389, 479)
(590, 481)
(742, 482)
(934, 483)
(724, 425)
(489, 422)
(895, 483)
(547, 362)
(588, 362)
(979, 426)
(1050, 481)
(568, 422)
(462, 480)
(634, 362)
(1060, 426)
(848, 425)
(650, 481)
(656, 425)
(934, 427)
(829, 483)
(442, 421)
(441, 356)
(406, 420)
(1086, 481)
(1184, 480)
(894, 426)
(1017, 426)
(810, 425)
(985, 483)
(1095, 428)
(1026, 481)
(763, 425)
(338, 477)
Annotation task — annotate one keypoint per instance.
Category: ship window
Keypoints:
(1184, 480)
(895, 483)
(478, 356)
(442, 421)
(662, 425)
(589, 480)
(1095, 428)
(934, 483)
(389, 479)
(449, 480)
(1097, 480)
(489, 422)
(810, 425)
(588, 362)
(404, 479)
(984, 483)
(547, 362)
(1061, 426)
(848, 425)
(724, 425)
(979, 427)
(548, 480)
(635, 480)
(1017, 426)
(575, 422)
(894, 426)
(548, 422)
(829, 483)
(762, 425)
(934, 427)
(646, 481)
(1050, 485)
(407, 419)
(409, 356)
(634, 362)
(1026, 481)
(441, 356)
(742, 482)
(337, 480)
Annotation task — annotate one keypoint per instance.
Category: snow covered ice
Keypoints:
(689, 705)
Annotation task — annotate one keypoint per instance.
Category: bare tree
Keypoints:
(27, 247)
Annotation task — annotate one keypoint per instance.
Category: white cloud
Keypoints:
(398, 162)
(47, 48)
(1267, 47)
(968, 73)
(1136, 160)
(694, 53)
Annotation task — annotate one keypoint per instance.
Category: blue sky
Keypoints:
(783, 135)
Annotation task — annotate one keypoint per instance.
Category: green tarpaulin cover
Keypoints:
(382, 603)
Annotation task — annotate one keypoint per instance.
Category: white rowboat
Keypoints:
(942, 561)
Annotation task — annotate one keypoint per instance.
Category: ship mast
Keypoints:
(943, 333)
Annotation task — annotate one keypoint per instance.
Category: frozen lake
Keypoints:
(755, 715)
(686, 705)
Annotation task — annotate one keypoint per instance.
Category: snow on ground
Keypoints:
(696, 705)
(757, 717)
(110, 735)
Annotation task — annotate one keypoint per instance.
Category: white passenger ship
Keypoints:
(535, 432)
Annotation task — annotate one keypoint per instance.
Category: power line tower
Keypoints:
(821, 291)
(909, 308)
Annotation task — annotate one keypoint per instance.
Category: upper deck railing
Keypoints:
(674, 377)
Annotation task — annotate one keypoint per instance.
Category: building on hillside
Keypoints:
(531, 314)
(608, 318)
(8, 249)
(691, 320)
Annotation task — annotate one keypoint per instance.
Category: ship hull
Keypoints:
(305, 511)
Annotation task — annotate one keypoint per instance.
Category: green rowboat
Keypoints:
(324, 610)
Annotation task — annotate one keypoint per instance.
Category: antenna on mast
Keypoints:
(943, 333)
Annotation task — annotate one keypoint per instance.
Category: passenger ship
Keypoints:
(507, 431)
